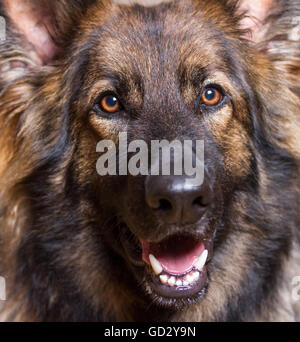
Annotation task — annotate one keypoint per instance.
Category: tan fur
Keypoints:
(19, 103)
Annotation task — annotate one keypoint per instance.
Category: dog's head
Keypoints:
(183, 72)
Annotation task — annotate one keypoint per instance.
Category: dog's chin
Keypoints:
(173, 271)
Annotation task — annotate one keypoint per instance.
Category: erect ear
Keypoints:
(46, 25)
(255, 14)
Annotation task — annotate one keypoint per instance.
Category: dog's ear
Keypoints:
(46, 26)
(255, 14)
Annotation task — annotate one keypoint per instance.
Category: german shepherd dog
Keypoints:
(77, 246)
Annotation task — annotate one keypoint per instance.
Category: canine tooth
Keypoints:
(199, 264)
(172, 281)
(179, 282)
(155, 264)
(163, 279)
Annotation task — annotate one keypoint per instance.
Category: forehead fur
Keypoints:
(165, 39)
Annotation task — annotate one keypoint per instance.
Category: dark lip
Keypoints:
(163, 294)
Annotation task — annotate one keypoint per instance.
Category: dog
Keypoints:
(80, 246)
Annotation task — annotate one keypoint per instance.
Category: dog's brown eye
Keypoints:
(211, 97)
(109, 104)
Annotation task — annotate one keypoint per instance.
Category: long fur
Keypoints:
(53, 250)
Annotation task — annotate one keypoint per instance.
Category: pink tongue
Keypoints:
(176, 255)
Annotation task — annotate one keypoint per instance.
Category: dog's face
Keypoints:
(158, 75)
(181, 71)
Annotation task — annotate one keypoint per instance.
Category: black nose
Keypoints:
(176, 201)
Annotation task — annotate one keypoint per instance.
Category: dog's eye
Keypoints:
(211, 96)
(109, 103)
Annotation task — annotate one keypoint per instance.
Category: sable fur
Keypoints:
(59, 241)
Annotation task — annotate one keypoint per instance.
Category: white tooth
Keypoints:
(164, 279)
(185, 283)
(155, 264)
(172, 281)
(196, 275)
(199, 264)
(179, 282)
(189, 278)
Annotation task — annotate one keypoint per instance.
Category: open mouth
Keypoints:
(173, 271)
(177, 266)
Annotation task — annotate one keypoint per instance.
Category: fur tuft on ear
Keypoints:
(255, 14)
(46, 25)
